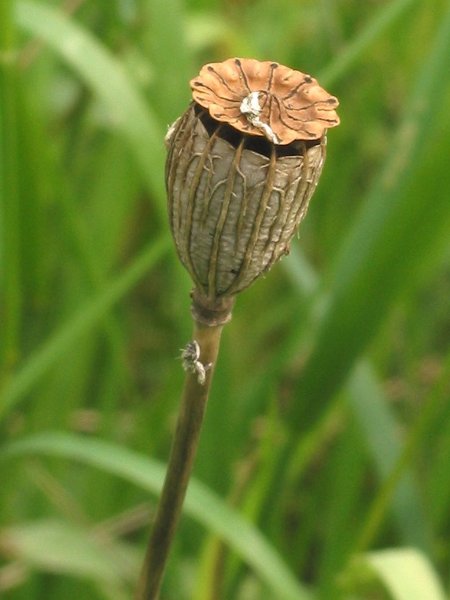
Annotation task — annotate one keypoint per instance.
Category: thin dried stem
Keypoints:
(181, 460)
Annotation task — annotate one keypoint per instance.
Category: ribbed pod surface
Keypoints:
(233, 210)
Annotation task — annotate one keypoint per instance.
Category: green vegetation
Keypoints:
(323, 468)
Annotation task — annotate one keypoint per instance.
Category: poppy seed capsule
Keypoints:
(243, 162)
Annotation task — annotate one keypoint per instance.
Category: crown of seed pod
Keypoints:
(243, 162)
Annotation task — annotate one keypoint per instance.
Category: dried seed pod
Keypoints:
(242, 165)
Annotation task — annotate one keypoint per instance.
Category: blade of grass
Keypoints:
(86, 317)
(406, 574)
(72, 550)
(379, 426)
(356, 49)
(78, 228)
(416, 436)
(201, 504)
(9, 193)
(382, 252)
(381, 433)
(108, 80)
(166, 43)
(439, 477)
(344, 481)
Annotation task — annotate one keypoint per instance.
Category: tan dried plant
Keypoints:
(243, 162)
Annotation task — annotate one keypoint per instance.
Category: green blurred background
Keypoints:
(324, 465)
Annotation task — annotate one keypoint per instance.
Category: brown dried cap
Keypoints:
(265, 99)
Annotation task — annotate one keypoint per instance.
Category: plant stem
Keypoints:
(181, 460)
